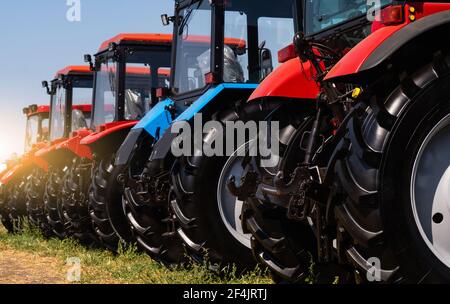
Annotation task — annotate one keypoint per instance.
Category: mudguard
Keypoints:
(291, 80)
(108, 138)
(11, 174)
(25, 166)
(159, 119)
(377, 48)
(212, 95)
(73, 145)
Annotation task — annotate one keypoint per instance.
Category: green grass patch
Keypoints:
(128, 267)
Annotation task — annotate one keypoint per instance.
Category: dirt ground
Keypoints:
(18, 267)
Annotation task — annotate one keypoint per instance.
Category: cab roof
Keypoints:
(137, 38)
(74, 69)
(142, 71)
(36, 109)
(86, 108)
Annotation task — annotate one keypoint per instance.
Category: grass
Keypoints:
(128, 267)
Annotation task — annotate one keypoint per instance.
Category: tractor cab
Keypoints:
(129, 68)
(71, 89)
(352, 20)
(227, 42)
(37, 128)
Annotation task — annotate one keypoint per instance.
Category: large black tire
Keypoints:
(98, 207)
(74, 202)
(52, 202)
(286, 247)
(377, 217)
(201, 217)
(4, 210)
(35, 202)
(149, 214)
(16, 205)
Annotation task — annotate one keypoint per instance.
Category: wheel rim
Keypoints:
(230, 207)
(430, 190)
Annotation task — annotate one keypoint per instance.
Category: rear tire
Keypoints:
(16, 206)
(377, 176)
(149, 215)
(204, 206)
(74, 203)
(52, 202)
(97, 205)
(4, 211)
(35, 202)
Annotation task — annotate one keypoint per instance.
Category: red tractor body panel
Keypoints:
(25, 163)
(153, 38)
(354, 61)
(40, 110)
(107, 130)
(288, 81)
(73, 144)
(355, 58)
(11, 173)
(74, 69)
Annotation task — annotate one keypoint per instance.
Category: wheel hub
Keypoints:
(430, 190)
(230, 207)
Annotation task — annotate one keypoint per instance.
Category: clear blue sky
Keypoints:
(36, 40)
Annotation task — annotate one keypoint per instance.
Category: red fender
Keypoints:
(106, 130)
(355, 58)
(40, 162)
(74, 145)
(288, 81)
(26, 163)
(42, 153)
(11, 174)
(355, 61)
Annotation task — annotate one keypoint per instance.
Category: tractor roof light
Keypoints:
(391, 15)
(34, 108)
(112, 46)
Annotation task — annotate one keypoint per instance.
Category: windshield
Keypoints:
(254, 33)
(44, 129)
(81, 95)
(58, 113)
(138, 91)
(32, 132)
(323, 14)
(193, 47)
(105, 93)
(143, 68)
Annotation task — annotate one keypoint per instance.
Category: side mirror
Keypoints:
(165, 19)
(46, 86)
(26, 111)
(88, 59)
(265, 62)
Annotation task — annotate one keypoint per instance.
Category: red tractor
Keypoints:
(129, 68)
(70, 109)
(359, 181)
(13, 178)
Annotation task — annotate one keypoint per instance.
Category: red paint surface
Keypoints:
(289, 80)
